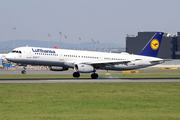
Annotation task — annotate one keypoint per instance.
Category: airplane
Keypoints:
(87, 61)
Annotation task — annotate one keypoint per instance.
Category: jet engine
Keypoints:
(83, 68)
(55, 68)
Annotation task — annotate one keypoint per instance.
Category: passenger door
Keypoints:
(61, 56)
(29, 53)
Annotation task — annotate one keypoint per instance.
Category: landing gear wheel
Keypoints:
(23, 72)
(94, 76)
(24, 69)
(76, 74)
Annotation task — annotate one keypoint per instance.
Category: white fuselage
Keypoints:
(68, 58)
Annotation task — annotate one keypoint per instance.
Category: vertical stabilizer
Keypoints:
(152, 47)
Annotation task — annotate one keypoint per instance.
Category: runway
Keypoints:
(90, 80)
(74, 80)
(69, 72)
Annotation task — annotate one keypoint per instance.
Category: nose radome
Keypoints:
(8, 56)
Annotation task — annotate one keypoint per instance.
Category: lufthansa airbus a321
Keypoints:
(87, 61)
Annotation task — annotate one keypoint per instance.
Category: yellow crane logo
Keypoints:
(154, 44)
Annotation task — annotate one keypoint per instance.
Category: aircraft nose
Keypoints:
(9, 57)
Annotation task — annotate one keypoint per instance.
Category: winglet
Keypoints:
(152, 47)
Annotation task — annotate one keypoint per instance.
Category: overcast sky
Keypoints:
(103, 20)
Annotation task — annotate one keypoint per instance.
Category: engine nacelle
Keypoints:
(82, 68)
(55, 68)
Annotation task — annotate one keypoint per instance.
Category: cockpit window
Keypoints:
(15, 51)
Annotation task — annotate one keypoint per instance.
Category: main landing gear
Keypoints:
(24, 70)
(93, 75)
(76, 74)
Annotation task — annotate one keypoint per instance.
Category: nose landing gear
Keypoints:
(24, 70)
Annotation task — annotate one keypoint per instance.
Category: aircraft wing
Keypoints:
(105, 63)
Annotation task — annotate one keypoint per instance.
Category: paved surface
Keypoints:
(35, 72)
(39, 72)
(69, 72)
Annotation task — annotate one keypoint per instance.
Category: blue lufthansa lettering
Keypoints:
(45, 51)
(33, 50)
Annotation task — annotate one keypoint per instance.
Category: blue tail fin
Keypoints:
(152, 47)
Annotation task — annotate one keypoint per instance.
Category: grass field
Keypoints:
(90, 101)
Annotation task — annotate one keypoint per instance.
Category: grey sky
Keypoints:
(103, 20)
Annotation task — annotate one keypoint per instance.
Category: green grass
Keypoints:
(90, 101)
